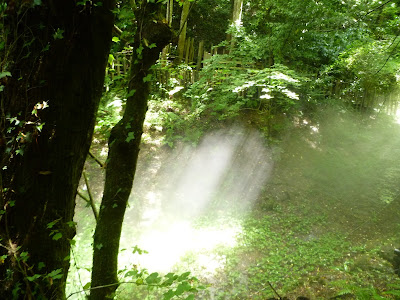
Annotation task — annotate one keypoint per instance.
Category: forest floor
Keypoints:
(324, 224)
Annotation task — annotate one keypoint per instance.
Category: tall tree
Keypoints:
(151, 37)
(52, 70)
(182, 29)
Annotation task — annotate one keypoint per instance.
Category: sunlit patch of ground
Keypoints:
(168, 245)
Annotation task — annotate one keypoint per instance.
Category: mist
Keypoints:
(233, 205)
(175, 190)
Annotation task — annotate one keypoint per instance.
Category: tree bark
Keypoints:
(123, 152)
(56, 53)
(236, 21)
(182, 34)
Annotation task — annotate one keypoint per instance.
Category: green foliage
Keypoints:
(356, 291)
(224, 91)
(273, 254)
(156, 286)
(109, 113)
(214, 16)
(28, 287)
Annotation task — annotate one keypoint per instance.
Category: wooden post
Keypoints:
(187, 50)
(118, 64)
(191, 54)
(200, 55)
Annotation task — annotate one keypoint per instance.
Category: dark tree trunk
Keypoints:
(56, 53)
(123, 152)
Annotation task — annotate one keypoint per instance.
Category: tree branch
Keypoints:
(91, 200)
(96, 159)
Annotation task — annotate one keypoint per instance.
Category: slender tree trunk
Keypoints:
(183, 26)
(56, 53)
(236, 20)
(123, 153)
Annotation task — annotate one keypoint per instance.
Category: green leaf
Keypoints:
(190, 297)
(40, 127)
(55, 274)
(46, 48)
(183, 287)
(148, 78)
(99, 246)
(4, 74)
(87, 285)
(131, 136)
(20, 152)
(57, 236)
(71, 224)
(24, 256)
(110, 58)
(51, 224)
(183, 276)
(33, 278)
(115, 39)
(169, 295)
(153, 278)
(139, 51)
(131, 93)
(37, 2)
(59, 34)
(131, 273)
(41, 265)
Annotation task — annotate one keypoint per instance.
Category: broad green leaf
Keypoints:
(57, 236)
(110, 58)
(87, 285)
(55, 274)
(147, 78)
(183, 287)
(131, 136)
(19, 152)
(5, 74)
(153, 278)
(183, 276)
(131, 273)
(115, 39)
(169, 295)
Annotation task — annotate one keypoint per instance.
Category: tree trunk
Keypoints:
(56, 53)
(123, 153)
(182, 34)
(236, 20)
